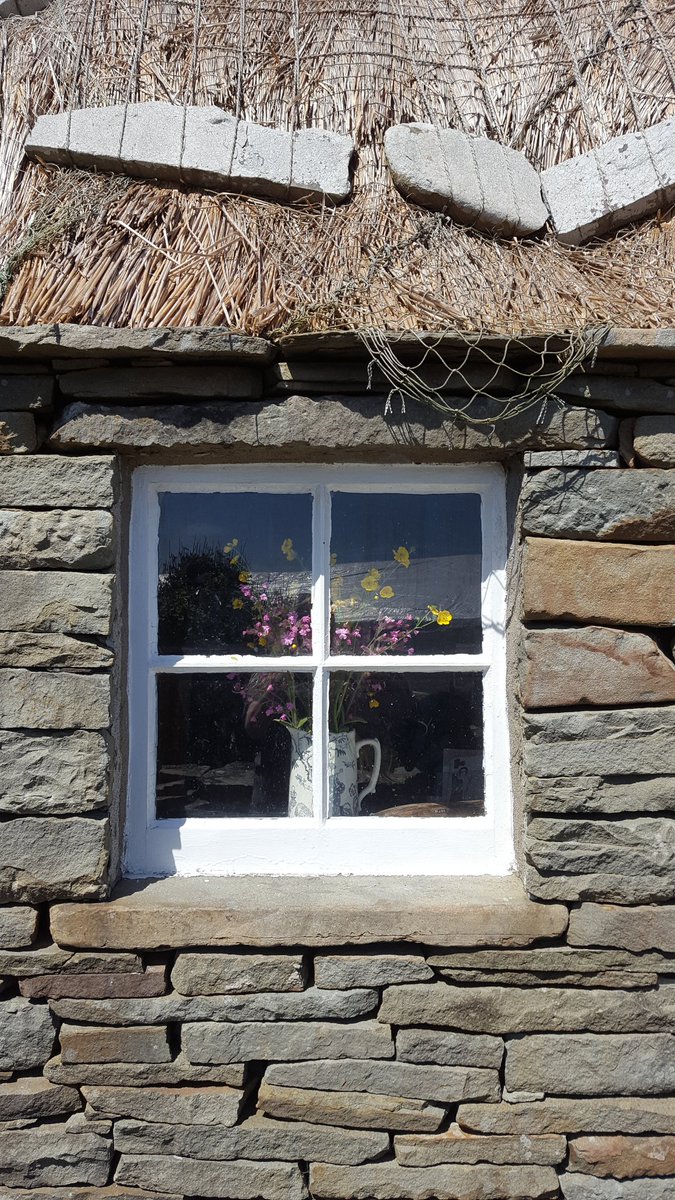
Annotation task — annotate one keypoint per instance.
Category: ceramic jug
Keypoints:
(343, 752)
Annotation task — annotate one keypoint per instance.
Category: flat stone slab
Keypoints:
(237, 1180)
(615, 506)
(285, 1041)
(623, 180)
(134, 383)
(446, 1085)
(50, 482)
(615, 742)
(632, 846)
(151, 982)
(356, 1110)
(63, 340)
(589, 794)
(56, 602)
(619, 394)
(86, 1193)
(52, 1156)
(557, 1114)
(256, 1138)
(564, 668)
(50, 858)
(457, 1146)
(53, 774)
(586, 1064)
(615, 887)
(141, 1075)
(310, 911)
(207, 974)
(35, 1098)
(604, 584)
(583, 1187)
(638, 929)
(540, 460)
(390, 1181)
(89, 1044)
(654, 441)
(211, 1105)
(479, 182)
(623, 1157)
(348, 424)
(313, 1004)
(26, 1036)
(369, 970)
(52, 651)
(553, 966)
(447, 1048)
(49, 959)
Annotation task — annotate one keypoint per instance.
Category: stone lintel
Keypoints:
(291, 911)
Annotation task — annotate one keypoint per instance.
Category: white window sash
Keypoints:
(344, 845)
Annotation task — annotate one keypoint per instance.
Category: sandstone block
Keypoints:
(30, 1098)
(329, 423)
(18, 926)
(585, 1064)
(356, 1110)
(654, 440)
(169, 1105)
(456, 1146)
(49, 481)
(142, 1075)
(86, 1193)
(18, 433)
(56, 601)
(285, 1041)
(46, 858)
(26, 1036)
(636, 846)
(629, 741)
(604, 584)
(449, 1049)
(505, 1010)
(238, 1180)
(310, 1005)
(389, 1181)
(256, 1138)
(615, 506)
(89, 1044)
(58, 538)
(369, 970)
(623, 1157)
(590, 794)
(477, 181)
(583, 1187)
(36, 700)
(563, 667)
(152, 982)
(52, 651)
(623, 180)
(217, 974)
(51, 1157)
(559, 966)
(63, 341)
(44, 959)
(614, 888)
(557, 1114)
(311, 911)
(638, 929)
(446, 1085)
(53, 774)
(133, 383)
(26, 393)
(540, 460)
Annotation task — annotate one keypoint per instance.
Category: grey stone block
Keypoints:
(131, 383)
(150, 982)
(42, 960)
(58, 538)
(256, 1138)
(540, 460)
(45, 858)
(207, 974)
(353, 1109)
(53, 775)
(210, 1105)
(631, 741)
(654, 441)
(62, 341)
(52, 651)
(152, 139)
(18, 927)
(369, 970)
(591, 794)
(63, 700)
(618, 888)
(55, 601)
(285, 1041)
(636, 929)
(86, 1193)
(446, 1085)
(26, 393)
(8, 8)
(18, 433)
(390, 1181)
(142, 1075)
(89, 1044)
(36, 1098)
(26, 1037)
(618, 394)
(50, 481)
(95, 138)
(238, 1180)
(634, 846)
(449, 1049)
(456, 1146)
(585, 1187)
(52, 1157)
(479, 182)
(623, 180)
(320, 167)
(623, 1157)
(587, 1065)
(49, 138)
(310, 1005)
(555, 1114)
(620, 506)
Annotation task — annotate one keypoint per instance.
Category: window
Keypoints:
(317, 671)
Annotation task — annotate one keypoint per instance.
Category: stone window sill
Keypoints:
(248, 910)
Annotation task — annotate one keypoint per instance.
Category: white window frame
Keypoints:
(364, 845)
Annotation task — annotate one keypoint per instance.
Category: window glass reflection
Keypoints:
(234, 573)
(405, 574)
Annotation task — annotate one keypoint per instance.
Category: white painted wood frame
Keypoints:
(364, 845)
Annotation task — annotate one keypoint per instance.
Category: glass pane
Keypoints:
(234, 573)
(423, 755)
(225, 745)
(405, 574)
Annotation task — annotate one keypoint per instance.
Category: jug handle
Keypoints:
(377, 753)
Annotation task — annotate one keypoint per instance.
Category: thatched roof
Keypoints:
(550, 77)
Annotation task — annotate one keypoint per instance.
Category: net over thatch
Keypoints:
(550, 77)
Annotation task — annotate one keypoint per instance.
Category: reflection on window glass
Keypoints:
(424, 756)
(233, 745)
(234, 573)
(405, 574)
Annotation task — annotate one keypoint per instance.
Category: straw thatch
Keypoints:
(551, 77)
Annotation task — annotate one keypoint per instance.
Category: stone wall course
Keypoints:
(35, 1098)
(206, 974)
(628, 741)
(140, 1075)
(46, 959)
(309, 1005)
(593, 794)
(53, 651)
(638, 929)
(285, 1042)
(85, 1193)
(151, 982)
(449, 1048)
(593, 666)
(209, 1105)
(369, 970)
(90, 1044)
(637, 845)
(583, 1187)
(457, 1146)
(38, 700)
(623, 1157)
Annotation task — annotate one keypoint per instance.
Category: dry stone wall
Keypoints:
(522, 1050)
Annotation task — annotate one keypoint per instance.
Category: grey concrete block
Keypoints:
(321, 161)
(262, 161)
(96, 136)
(479, 182)
(152, 140)
(208, 146)
(624, 180)
(49, 138)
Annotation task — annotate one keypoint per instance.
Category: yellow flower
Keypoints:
(262, 641)
(244, 576)
(287, 549)
(237, 602)
(234, 560)
(443, 617)
(402, 556)
(333, 559)
(230, 547)
(373, 703)
(370, 582)
(387, 592)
